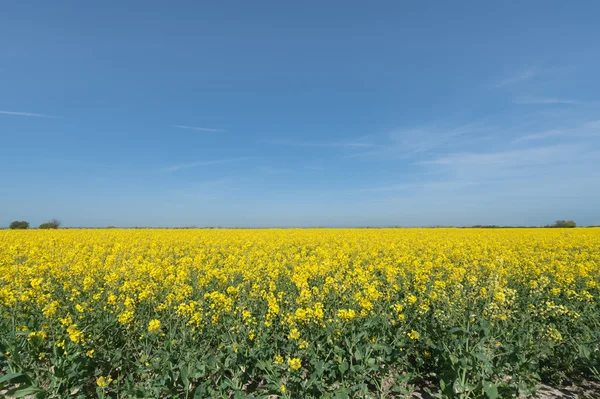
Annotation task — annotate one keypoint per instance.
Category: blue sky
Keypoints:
(338, 113)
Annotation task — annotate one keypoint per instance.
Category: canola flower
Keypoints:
(294, 363)
(103, 381)
(136, 307)
(154, 326)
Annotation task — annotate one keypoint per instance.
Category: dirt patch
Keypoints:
(585, 390)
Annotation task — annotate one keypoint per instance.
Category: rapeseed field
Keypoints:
(321, 313)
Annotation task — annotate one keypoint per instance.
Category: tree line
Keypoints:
(22, 225)
(558, 223)
(55, 224)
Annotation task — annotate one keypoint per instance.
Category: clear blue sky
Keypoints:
(280, 113)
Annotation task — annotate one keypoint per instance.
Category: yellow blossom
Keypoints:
(103, 381)
(294, 363)
(154, 326)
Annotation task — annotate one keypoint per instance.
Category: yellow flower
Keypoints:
(278, 359)
(282, 387)
(294, 363)
(554, 334)
(246, 315)
(154, 326)
(294, 334)
(346, 314)
(41, 335)
(90, 353)
(500, 296)
(412, 334)
(50, 309)
(74, 334)
(103, 381)
(125, 317)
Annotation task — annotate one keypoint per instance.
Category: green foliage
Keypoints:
(19, 225)
(564, 223)
(53, 224)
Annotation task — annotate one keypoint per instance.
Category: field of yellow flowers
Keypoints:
(322, 313)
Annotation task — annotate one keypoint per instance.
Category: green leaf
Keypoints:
(524, 389)
(490, 390)
(584, 351)
(15, 378)
(358, 355)
(21, 393)
(455, 330)
(212, 361)
(198, 372)
(200, 392)
(183, 371)
(342, 393)
(482, 357)
(319, 368)
(343, 367)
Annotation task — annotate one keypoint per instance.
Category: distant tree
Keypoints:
(53, 224)
(564, 223)
(19, 225)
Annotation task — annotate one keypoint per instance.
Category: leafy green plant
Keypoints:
(53, 224)
(19, 225)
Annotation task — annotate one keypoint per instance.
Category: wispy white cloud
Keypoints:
(199, 129)
(583, 130)
(390, 187)
(407, 143)
(560, 160)
(429, 138)
(592, 125)
(526, 74)
(529, 100)
(509, 158)
(353, 143)
(528, 162)
(401, 143)
(413, 187)
(174, 168)
(484, 177)
(30, 114)
(541, 135)
(314, 167)
(271, 170)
